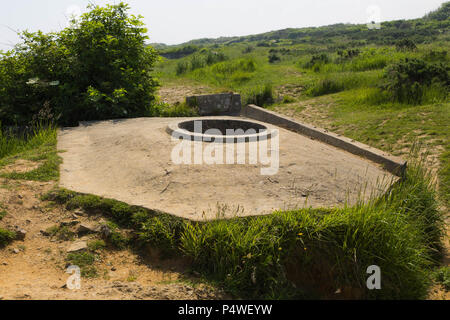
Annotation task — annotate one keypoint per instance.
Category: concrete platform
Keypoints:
(130, 160)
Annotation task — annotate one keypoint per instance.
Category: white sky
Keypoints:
(177, 21)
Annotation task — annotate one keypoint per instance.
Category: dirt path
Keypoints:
(178, 93)
(35, 267)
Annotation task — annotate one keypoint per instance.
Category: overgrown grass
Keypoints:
(264, 257)
(40, 146)
(85, 261)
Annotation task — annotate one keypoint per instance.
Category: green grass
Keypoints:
(442, 276)
(85, 261)
(6, 237)
(61, 232)
(260, 257)
(39, 147)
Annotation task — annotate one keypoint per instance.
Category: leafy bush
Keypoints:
(182, 67)
(406, 45)
(411, 81)
(317, 61)
(98, 68)
(348, 54)
(274, 58)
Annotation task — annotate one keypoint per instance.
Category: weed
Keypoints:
(85, 261)
(6, 237)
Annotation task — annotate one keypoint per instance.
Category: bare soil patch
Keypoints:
(35, 268)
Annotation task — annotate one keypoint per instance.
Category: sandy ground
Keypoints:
(130, 160)
(35, 268)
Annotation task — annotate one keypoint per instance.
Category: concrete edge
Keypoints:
(394, 165)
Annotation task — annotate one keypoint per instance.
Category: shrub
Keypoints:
(317, 61)
(197, 62)
(6, 237)
(274, 58)
(409, 81)
(261, 95)
(248, 49)
(406, 45)
(98, 68)
(182, 67)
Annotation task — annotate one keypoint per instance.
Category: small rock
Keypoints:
(45, 233)
(15, 250)
(20, 234)
(79, 212)
(5, 263)
(113, 269)
(69, 223)
(77, 246)
(20, 196)
(86, 228)
(105, 231)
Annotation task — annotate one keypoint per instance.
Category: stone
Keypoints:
(86, 228)
(105, 231)
(69, 223)
(16, 251)
(77, 246)
(216, 104)
(20, 234)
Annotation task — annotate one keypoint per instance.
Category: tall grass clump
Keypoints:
(6, 237)
(307, 253)
(415, 81)
(322, 251)
(337, 82)
(262, 95)
(16, 142)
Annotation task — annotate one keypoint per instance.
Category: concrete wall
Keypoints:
(217, 104)
(392, 164)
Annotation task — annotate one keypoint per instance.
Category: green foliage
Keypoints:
(39, 144)
(85, 261)
(274, 58)
(179, 52)
(6, 237)
(405, 45)
(254, 256)
(182, 67)
(441, 14)
(96, 245)
(61, 233)
(261, 96)
(442, 276)
(176, 110)
(414, 81)
(333, 83)
(317, 61)
(98, 68)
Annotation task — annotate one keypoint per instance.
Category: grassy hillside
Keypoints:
(370, 85)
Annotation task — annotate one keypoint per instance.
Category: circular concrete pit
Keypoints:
(220, 130)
